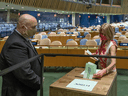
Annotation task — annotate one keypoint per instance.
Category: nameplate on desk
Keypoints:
(123, 44)
(82, 84)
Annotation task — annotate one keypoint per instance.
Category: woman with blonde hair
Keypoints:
(107, 47)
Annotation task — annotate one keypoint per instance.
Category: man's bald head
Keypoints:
(27, 25)
(26, 19)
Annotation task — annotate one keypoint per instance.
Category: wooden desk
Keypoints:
(67, 61)
(74, 61)
(1, 45)
(102, 88)
(120, 28)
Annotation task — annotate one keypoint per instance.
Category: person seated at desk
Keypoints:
(107, 47)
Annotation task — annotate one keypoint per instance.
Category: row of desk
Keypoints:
(66, 61)
(77, 61)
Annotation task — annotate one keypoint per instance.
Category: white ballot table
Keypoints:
(106, 86)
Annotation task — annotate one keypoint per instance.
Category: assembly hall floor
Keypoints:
(53, 74)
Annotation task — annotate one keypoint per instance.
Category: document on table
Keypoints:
(91, 54)
(82, 84)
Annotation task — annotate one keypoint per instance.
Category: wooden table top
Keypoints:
(101, 88)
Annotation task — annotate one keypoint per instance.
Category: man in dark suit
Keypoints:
(24, 81)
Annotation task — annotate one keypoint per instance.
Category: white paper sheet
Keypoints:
(91, 54)
(82, 84)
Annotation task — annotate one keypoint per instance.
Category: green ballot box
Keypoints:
(90, 69)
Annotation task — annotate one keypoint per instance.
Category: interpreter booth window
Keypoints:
(108, 2)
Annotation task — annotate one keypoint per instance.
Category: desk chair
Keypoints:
(121, 38)
(96, 37)
(88, 36)
(98, 41)
(83, 41)
(45, 41)
(91, 43)
(52, 34)
(62, 34)
(56, 43)
(72, 43)
(43, 33)
(38, 36)
(68, 40)
(125, 40)
(126, 34)
(116, 41)
(118, 34)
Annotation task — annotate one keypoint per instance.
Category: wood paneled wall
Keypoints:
(71, 6)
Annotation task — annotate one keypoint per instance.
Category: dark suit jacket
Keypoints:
(24, 81)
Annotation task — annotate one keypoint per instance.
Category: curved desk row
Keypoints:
(66, 61)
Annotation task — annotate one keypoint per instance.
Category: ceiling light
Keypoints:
(12, 7)
(22, 7)
(35, 10)
(38, 9)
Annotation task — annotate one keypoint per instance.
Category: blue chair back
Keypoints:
(44, 36)
(121, 35)
(58, 32)
(79, 33)
(123, 29)
(83, 41)
(69, 40)
(116, 41)
(116, 29)
(49, 32)
(85, 33)
(98, 41)
(126, 27)
(68, 32)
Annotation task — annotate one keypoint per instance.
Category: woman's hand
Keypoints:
(93, 53)
(100, 73)
(85, 53)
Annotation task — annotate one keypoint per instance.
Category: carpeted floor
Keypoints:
(51, 75)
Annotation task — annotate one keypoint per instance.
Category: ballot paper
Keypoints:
(91, 54)
(96, 71)
(90, 69)
(82, 84)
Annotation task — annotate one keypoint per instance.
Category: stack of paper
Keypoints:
(90, 69)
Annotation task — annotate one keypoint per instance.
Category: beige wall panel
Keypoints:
(73, 6)
(55, 4)
(70, 6)
(60, 5)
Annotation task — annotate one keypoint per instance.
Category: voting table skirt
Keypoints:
(106, 86)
